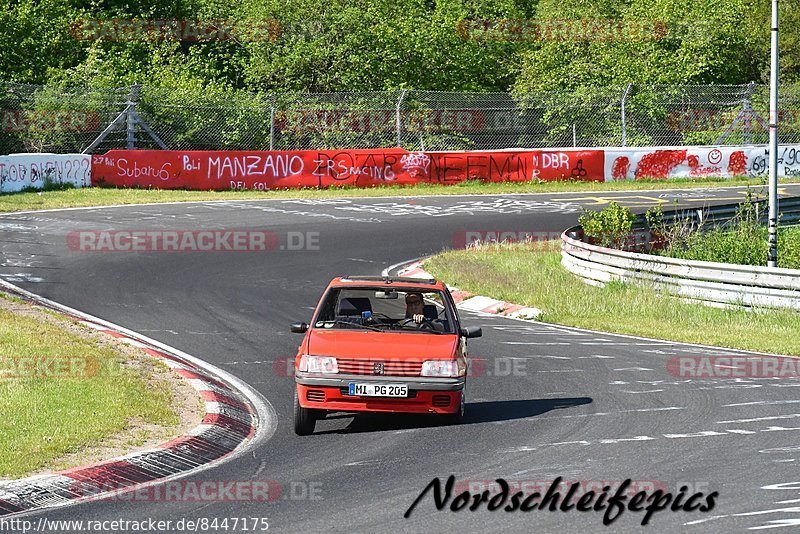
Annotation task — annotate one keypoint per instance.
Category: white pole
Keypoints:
(398, 118)
(622, 112)
(772, 229)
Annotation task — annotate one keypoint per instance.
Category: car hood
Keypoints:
(369, 345)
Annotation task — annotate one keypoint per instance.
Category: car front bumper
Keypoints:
(426, 394)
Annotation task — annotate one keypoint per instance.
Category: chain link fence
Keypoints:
(93, 120)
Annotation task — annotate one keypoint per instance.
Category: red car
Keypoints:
(379, 344)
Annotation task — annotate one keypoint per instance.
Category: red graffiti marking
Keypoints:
(619, 171)
(658, 164)
(695, 169)
(737, 163)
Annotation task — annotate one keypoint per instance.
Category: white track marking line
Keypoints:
(758, 419)
(760, 403)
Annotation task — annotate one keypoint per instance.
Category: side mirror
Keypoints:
(472, 331)
(299, 328)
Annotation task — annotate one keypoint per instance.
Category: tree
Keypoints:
(656, 42)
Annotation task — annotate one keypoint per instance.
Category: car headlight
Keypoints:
(450, 368)
(318, 364)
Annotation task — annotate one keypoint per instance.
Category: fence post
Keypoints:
(398, 119)
(748, 108)
(622, 111)
(130, 115)
(271, 125)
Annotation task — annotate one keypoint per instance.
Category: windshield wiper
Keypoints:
(422, 330)
(370, 327)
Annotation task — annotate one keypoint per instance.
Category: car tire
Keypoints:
(305, 419)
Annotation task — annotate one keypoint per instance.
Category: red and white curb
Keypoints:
(470, 302)
(236, 418)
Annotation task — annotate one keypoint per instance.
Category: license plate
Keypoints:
(378, 390)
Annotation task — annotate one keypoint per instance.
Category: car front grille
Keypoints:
(368, 367)
(441, 400)
(315, 395)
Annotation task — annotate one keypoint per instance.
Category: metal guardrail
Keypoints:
(720, 215)
(716, 284)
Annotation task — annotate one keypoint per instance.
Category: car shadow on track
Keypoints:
(477, 412)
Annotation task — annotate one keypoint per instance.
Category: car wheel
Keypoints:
(305, 419)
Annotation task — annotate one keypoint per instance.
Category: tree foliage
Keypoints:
(341, 45)
(688, 42)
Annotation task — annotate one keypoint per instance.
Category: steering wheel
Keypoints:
(426, 324)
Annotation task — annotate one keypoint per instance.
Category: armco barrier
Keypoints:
(720, 284)
(220, 170)
(20, 171)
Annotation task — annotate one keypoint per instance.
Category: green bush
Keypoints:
(609, 227)
(743, 240)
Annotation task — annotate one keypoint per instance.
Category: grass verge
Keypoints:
(108, 393)
(96, 196)
(531, 274)
(742, 245)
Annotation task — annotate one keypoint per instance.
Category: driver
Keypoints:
(415, 311)
(415, 307)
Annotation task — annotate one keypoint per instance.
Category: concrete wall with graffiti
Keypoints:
(34, 171)
(363, 168)
(221, 170)
(698, 162)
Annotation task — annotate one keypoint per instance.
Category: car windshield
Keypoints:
(386, 310)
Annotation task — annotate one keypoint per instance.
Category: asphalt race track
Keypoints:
(553, 401)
